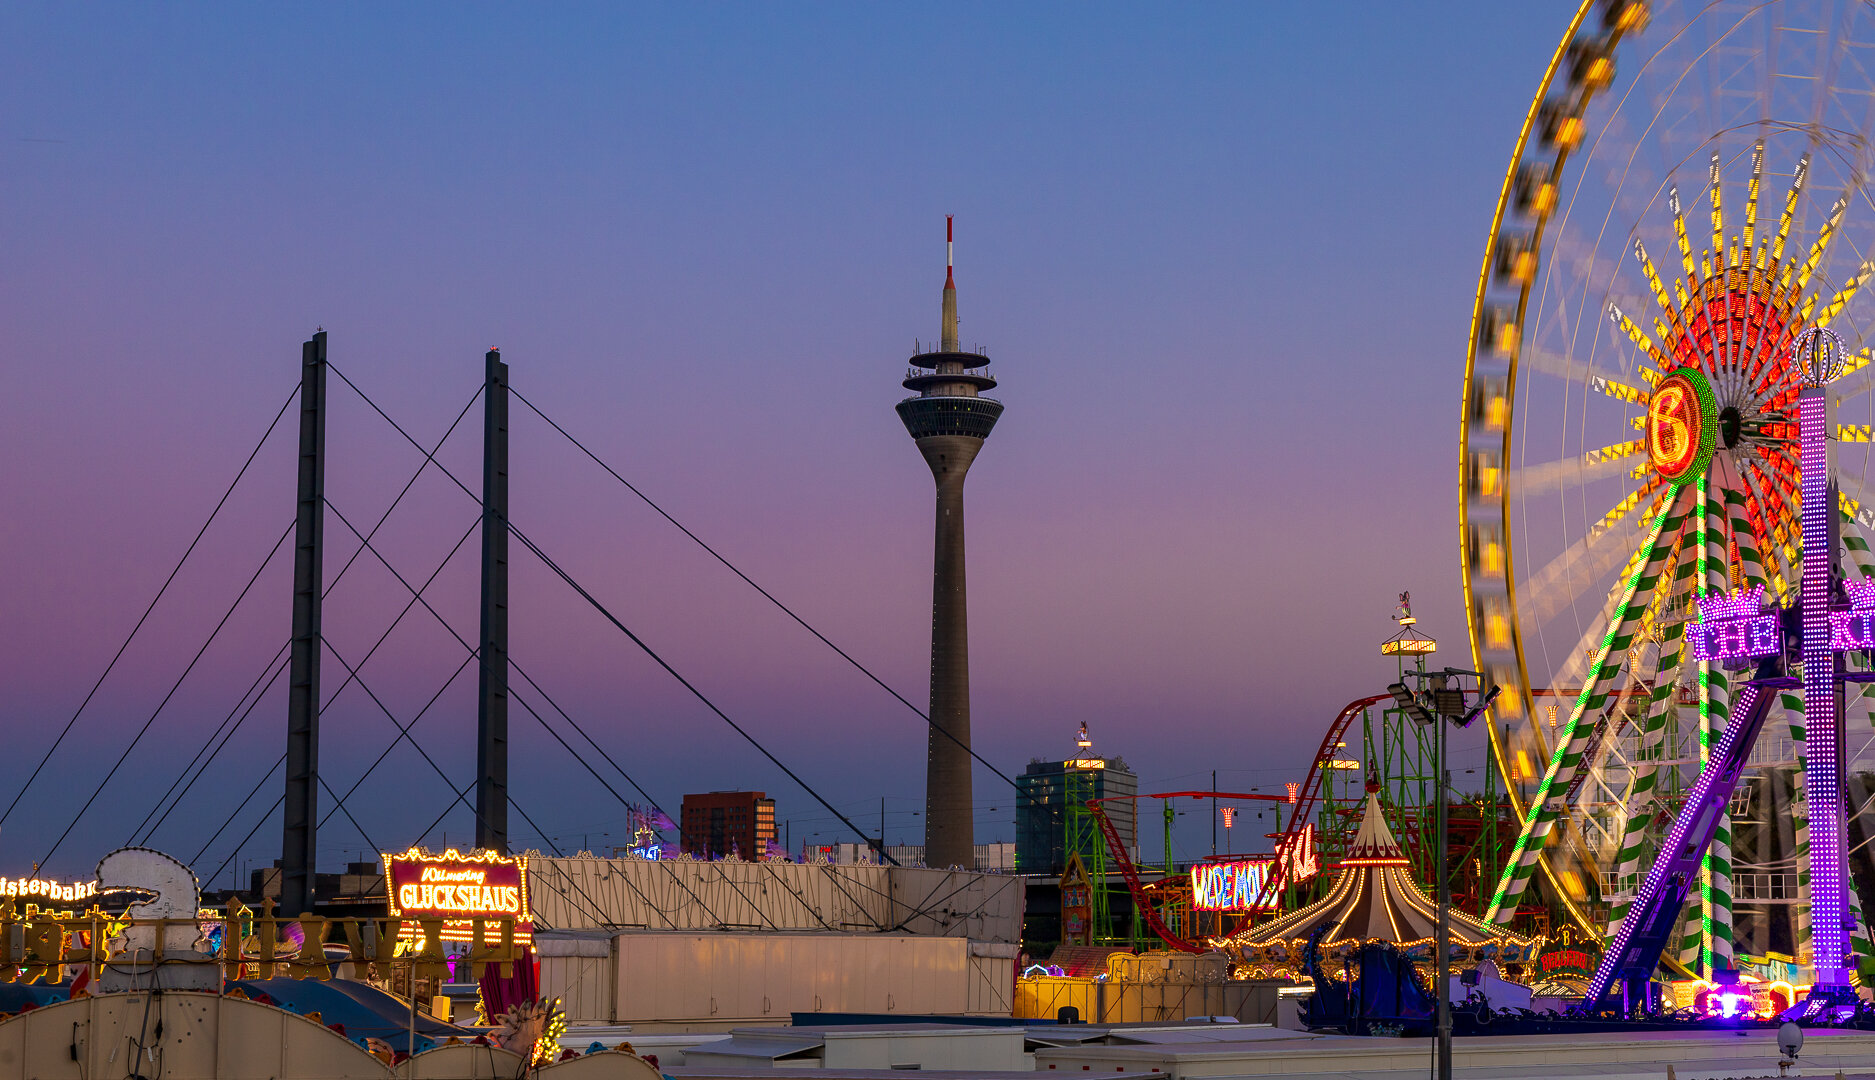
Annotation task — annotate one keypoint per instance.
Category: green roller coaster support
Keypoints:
(1084, 839)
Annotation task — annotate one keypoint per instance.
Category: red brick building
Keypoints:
(728, 822)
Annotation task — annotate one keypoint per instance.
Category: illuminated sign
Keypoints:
(1734, 626)
(452, 885)
(1854, 629)
(1567, 962)
(31, 888)
(1238, 885)
(1681, 425)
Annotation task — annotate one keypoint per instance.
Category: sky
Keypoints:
(1221, 257)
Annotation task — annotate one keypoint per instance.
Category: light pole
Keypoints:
(1447, 693)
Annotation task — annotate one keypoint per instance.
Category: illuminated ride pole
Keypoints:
(1741, 634)
(1820, 358)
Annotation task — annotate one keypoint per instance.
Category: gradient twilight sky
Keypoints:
(1221, 256)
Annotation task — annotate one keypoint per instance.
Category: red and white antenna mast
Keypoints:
(948, 335)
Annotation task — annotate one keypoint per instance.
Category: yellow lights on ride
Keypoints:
(1516, 258)
(1571, 882)
(1494, 616)
(1626, 16)
(1487, 475)
(1487, 550)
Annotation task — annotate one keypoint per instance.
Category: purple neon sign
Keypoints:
(1735, 627)
(1854, 629)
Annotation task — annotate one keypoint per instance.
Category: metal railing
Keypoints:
(36, 944)
(1766, 888)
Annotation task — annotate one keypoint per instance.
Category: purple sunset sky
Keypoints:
(1222, 258)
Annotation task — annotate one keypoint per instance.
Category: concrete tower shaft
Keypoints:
(949, 419)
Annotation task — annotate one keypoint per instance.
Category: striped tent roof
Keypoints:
(1374, 898)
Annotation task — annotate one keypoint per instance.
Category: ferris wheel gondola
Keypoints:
(1687, 199)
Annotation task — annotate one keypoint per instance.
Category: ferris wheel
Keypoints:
(1689, 195)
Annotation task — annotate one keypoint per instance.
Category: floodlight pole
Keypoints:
(1442, 966)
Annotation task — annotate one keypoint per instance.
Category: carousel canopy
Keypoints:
(1374, 898)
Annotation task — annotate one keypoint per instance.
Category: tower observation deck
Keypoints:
(949, 419)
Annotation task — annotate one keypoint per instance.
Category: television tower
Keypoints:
(949, 421)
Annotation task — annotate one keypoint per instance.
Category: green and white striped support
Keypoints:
(1715, 698)
(1650, 748)
(1547, 804)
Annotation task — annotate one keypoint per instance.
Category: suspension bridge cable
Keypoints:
(417, 597)
(348, 816)
(263, 821)
(284, 648)
(770, 597)
(244, 839)
(461, 796)
(600, 750)
(401, 735)
(687, 685)
(613, 619)
(177, 685)
(415, 745)
(146, 611)
(274, 670)
(602, 783)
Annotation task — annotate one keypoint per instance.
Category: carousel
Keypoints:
(1373, 900)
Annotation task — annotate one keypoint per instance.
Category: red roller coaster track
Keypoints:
(1303, 809)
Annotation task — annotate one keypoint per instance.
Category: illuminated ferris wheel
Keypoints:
(1688, 197)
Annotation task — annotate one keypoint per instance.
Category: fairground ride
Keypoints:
(1370, 740)
(1688, 193)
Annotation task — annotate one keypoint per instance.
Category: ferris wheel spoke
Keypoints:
(1537, 360)
(1548, 803)
(1795, 287)
(1549, 477)
(1589, 558)
(1772, 523)
(1844, 295)
(1858, 377)
(1641, 341)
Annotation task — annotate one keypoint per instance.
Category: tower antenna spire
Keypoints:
(948, 334)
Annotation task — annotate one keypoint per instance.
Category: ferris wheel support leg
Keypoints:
(1715, 887)
(1641, 806)
(1551, 798)
(1654, 917)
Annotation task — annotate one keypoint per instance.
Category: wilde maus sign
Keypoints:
(1236, 885)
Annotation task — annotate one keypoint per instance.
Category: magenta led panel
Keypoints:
(1851, 630)
(1733, 626)
(1736, 639)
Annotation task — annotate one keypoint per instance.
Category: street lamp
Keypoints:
(1447, 693)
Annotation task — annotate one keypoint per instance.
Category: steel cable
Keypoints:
(146, 611)
(613, 619)
(770, 597)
